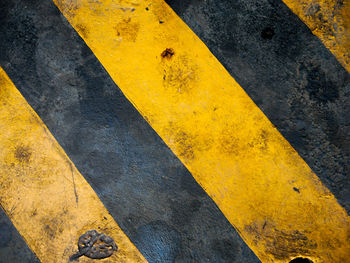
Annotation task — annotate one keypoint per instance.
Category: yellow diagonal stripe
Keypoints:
(263, 187)
(45, 196)
(329, 20)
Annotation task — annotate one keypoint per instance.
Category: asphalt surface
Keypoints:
(289, 74)
(285, 69)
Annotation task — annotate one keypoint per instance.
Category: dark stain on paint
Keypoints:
(318, 85)
(184, 145)
(23, 154)
(179, 72)
(168, 53)
(301, 260)
(296, 190)
(34, 212)
(230, 144)
(49, 231)
(127, 29)
(52, 226)
(281, 244)
(260, 141)
(82, 30)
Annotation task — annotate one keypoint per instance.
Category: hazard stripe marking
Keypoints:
(110, 143)
(329, 20)
(263, 187)
(42, 192)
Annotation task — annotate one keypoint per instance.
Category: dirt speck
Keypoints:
(296, 189)
(168, 53)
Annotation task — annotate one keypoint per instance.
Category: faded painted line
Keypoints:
(263, 187)
(44, 195)
(329, 20)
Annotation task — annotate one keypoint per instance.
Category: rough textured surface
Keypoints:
(289, 74)
(44, 195)
(144, 186)
(12, 247)
(285, 69)
(329, 20)
(203, 115)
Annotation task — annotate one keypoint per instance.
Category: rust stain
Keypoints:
(168, 53)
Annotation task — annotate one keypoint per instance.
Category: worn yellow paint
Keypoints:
(329, 20)
(45, 196)
(210, 123)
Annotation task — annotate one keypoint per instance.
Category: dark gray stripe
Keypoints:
(144, 186)
(288, 73)
(13, 249)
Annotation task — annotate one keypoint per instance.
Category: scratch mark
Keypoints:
(74, 186)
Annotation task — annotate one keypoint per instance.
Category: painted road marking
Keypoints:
(329, 20)
(113, 147)
(42, 192)
(263, 187)
(312, 101)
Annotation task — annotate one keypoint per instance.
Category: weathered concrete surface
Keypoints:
(289, 74)
(232, 150)
(144, 186)
(284, 68)
(12, 247)
(47, 199)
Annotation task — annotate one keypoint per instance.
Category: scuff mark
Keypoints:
(296, 190)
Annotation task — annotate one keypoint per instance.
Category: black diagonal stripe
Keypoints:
(13, 249)
(144, 186)
(289, 74)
